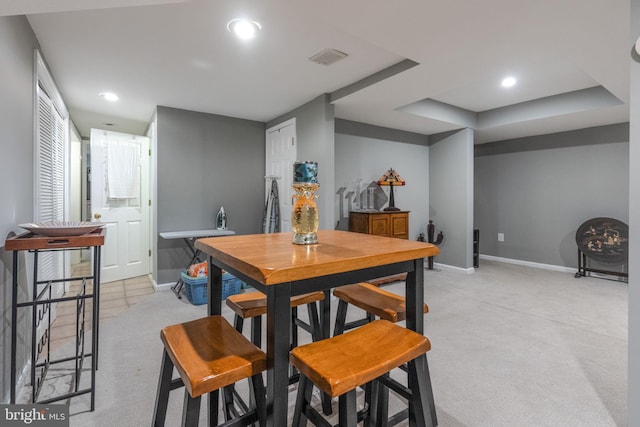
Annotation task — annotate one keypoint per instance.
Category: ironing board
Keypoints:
(189, 238)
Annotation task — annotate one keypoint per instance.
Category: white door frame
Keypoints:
(119, 263)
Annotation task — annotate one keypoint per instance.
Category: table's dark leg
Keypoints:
(418, 380)
(214, 307)
(415, 297)
(214, 291)
(278, 319)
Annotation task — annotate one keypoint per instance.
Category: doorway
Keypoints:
(281, 152)
(120, 198)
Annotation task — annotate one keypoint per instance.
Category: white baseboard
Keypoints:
(452, 267)
(162, 286)
(551, 267)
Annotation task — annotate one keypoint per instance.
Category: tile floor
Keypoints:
(115, 298)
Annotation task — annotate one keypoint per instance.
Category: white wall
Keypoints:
(634, 227)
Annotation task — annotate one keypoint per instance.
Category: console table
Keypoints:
(41, 295)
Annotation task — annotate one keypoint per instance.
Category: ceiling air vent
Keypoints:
(328, 56)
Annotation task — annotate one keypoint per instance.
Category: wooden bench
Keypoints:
(340, 364)
(209, 354)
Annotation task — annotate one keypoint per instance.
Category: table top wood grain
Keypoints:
(273, 258)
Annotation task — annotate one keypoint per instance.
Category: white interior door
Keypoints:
(281, 153)
(120, 199)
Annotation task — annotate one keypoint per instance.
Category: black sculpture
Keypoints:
(430, 232)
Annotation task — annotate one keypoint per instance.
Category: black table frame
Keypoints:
(279, 319)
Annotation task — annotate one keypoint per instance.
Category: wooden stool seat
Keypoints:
(209, 354)
(340, 364)
(344, 362)
(252, 304)
(386, 305)
(388, 279)
(372, 299)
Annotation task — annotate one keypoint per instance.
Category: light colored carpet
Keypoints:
(511, 346)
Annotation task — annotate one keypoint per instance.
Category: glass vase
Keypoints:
(304, 214)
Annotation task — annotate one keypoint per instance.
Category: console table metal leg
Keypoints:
(96, 301)
(14, 326)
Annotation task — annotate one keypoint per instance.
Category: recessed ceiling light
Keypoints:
(508, 81)
(243, 28)
(109, 96)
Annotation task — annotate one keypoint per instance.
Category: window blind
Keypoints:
(50, 140)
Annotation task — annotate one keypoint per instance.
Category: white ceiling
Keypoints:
(178, 53)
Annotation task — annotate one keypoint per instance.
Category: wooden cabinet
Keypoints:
(380, 223)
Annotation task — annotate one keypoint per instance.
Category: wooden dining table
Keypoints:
(272, 264)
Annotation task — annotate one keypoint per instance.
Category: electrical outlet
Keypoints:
(500, 237)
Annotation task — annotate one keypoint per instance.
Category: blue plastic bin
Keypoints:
(196, 287)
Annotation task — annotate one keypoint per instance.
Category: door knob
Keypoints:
(97, 215)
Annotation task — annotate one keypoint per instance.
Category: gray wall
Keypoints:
(451, 195)
(17, 43)
(366, 152)
(205, 161)
(315, 135)
(634, 228)
(540, 195)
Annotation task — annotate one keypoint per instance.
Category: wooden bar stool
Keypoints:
(209, 354)
(373, 300)
(339, 365)
(386, 305)
(253, 305)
